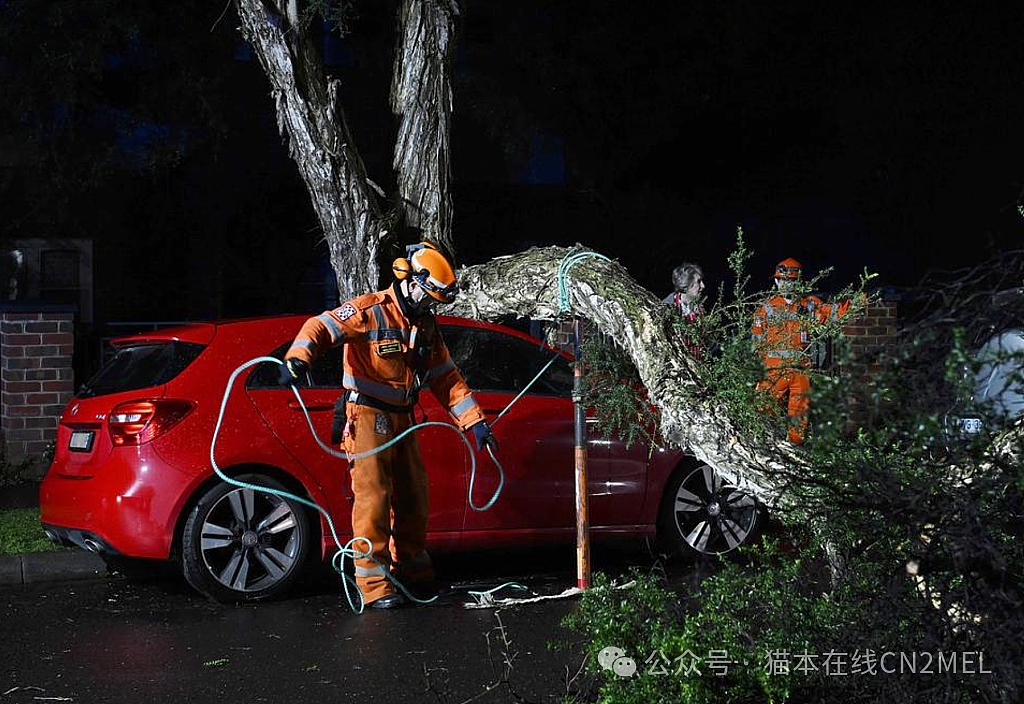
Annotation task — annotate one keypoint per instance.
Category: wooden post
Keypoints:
(582, 517)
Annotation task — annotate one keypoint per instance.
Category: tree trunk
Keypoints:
(421, 97)
(526, 285)
(310, 117)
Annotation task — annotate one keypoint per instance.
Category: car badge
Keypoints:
(74, 409)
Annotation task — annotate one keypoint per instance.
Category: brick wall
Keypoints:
(565, 335)
(36, 377)
(872, 331)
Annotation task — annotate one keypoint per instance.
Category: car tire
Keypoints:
(702, 514)
(241, 545)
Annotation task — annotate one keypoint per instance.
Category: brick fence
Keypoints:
(36, 377)
(565, 334)
(872, 331)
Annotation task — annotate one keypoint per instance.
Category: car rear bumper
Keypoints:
(129, 507)
(72, 537)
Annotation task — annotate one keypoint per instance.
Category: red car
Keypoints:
(131, 475)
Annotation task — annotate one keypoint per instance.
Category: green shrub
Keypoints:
(12, 473)
(902, 535)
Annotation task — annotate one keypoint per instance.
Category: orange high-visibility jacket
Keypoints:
(780, 328)
(379, 353)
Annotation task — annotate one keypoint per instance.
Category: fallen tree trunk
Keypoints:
(526, 285)
(603, 292)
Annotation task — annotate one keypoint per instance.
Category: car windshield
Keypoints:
(999, 380)
(140, 366)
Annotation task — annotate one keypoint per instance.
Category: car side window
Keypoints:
(494, 361)
(325, 373)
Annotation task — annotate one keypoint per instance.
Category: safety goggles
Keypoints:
(787, 272)
(434, 286)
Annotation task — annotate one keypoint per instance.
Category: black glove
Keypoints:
(291, 371)
(483, 436)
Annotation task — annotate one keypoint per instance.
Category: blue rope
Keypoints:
(568, 262)
(348, 550)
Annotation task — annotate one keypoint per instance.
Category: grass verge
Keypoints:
(20, 532)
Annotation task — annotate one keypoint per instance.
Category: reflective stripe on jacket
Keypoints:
(780, 327)
(379, 355)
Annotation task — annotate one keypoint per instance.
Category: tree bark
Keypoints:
(526, 285)
(421, 97)
(603, 292)
(310, 117)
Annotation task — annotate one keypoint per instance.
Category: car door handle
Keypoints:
(294, 405)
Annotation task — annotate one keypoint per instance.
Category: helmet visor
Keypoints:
(445, 294)
(783, 271)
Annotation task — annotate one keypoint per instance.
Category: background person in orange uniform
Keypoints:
(780, 333)
(392, 347)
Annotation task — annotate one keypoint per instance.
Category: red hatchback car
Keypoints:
(131, 475)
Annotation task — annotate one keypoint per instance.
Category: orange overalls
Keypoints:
(780, 336)
(386, 359)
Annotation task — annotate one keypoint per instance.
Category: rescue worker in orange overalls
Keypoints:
(392, 347)
(780, 333)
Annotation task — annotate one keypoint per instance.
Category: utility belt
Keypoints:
(340, 415)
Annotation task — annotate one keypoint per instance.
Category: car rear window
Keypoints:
(141, 366)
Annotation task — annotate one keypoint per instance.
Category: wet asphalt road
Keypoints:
(115, 640)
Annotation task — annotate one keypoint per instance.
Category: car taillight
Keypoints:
(138, 422)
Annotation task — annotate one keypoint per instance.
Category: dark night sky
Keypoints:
(850, 137)
(845, 136)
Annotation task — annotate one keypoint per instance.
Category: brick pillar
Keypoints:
(565, 335)
(872, 331)
(36, 377)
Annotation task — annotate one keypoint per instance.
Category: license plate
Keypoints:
(971, 426)
(81, 440)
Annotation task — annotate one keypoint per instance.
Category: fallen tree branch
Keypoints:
(603, 292)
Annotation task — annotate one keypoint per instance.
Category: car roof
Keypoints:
(203, 332)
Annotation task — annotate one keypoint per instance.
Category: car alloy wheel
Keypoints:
(712, 517)
(249, 540)
(243, 545)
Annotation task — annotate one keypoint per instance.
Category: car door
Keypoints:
(617, 482)
(536, 435)
(496, 367)
(616, 474)
(319, 391)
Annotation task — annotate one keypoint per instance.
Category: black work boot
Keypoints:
(391, 601)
